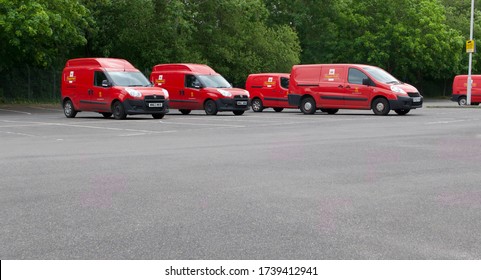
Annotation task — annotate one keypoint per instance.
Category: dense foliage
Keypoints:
(420, 41)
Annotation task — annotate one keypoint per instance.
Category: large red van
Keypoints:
(268, 90)
(110, 86)
(460, 89)
(330, 87)
(199, 87)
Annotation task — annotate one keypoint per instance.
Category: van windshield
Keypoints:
(129, 79)
(213, 81)
(381, 75)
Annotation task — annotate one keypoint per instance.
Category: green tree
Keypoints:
(234, 37)
(40, 32)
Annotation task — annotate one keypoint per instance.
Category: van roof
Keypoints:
(334, 64)
(270, 74)
(109, 63)
(185, 67)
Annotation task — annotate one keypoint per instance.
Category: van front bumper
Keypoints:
(455, 97)
(137, 107)
(232, 104)
(405, 103)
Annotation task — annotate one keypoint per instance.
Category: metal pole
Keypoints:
(471, 31)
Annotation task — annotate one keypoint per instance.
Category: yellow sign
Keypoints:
(470, 46)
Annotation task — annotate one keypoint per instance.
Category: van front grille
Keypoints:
(414, 94)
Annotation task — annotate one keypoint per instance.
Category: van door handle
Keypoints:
(181, 92)
(90, 92)
(348, 86)
(340, 86)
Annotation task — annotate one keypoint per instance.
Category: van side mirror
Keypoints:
(106, 83)
(368, 82)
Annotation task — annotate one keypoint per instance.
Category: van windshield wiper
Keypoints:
(393, 82)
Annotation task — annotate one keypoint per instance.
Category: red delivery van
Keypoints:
(330, 87)
(199, 87)
(460, 89)
(268, 90)
(110, 86)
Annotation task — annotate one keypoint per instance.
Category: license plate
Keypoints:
(416, 99)
(242, 103)
(155, 105)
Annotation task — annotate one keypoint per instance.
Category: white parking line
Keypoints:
(46, 109)
(445, 122)
(16, 133)
(203, 124)
(15, 111)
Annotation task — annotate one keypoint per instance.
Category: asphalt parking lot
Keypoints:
(258, 186)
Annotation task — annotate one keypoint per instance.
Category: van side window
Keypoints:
(99, 76)
(285, 82)
(191, 81)
(356, 76)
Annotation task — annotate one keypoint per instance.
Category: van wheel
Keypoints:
(257, 105)
(106, 115)
(278, 110)
(380, 106)
(158, 116)
(475, 104)
(402, 112)
(238, 113)
(332, 111)
(210, 107)
(68, 109)
(308, 106)
(324, 110)
(185, 111)
(119, 111)
(462, 101)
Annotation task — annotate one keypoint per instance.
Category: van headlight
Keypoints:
(133, 92)
(166, 93)
(397, 90)
(224, 93)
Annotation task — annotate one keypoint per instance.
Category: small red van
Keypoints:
(330, 87)
(268, 90)
(199, 87)
(460, 89)
(110, 86)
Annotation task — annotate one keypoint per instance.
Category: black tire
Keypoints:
(238, 112)
(158, 116)
(210, 107)
(402, 112)
(332, 111)
(185, 111)
(119, 111)
(106, 115)
(308, 106)
(257, 105)
(68, 109)
(324, 110)
(380, 106)
(462, 101)
(475, 104)
(278, 110)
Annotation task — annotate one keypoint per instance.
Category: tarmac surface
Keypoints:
(259, 186)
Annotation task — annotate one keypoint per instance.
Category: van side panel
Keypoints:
(331, 91)
(460, 88)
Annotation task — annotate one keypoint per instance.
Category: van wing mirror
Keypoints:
(106, 83)
(367, 82)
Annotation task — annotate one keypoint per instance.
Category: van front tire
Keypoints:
(308, 106)
(380, 106)
(278, 110)
(158, 116)
(68, 109)
(119, 111)
(210, 107)
(257, 105)
(402, 112)
(462, 101)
